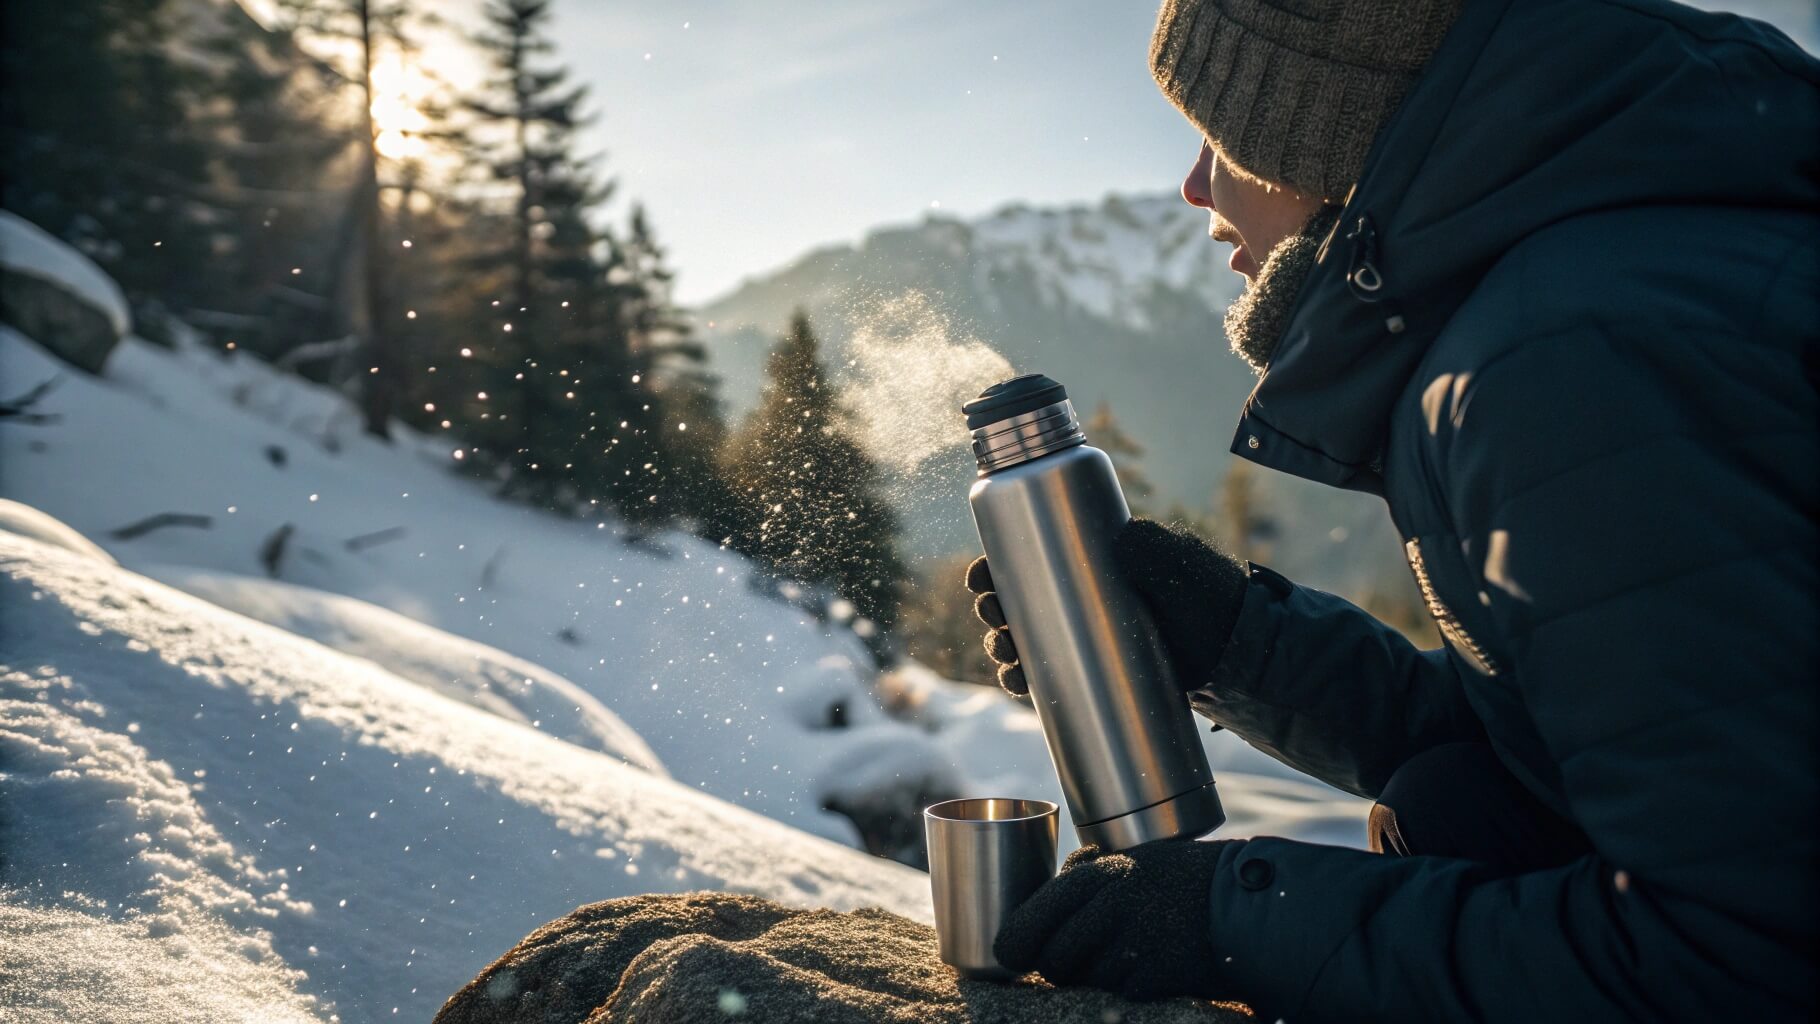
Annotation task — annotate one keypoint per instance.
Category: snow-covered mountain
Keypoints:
(1121, 301)
(1042, 285)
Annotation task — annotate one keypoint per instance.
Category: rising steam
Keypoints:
(909, 369)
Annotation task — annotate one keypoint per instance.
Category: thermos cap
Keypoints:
(1021, 419)
(1013, 397)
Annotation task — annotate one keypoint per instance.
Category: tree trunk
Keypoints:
(380, 372)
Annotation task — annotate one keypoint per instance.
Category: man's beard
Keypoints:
(1256, 320)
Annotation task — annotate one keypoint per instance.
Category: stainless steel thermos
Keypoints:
(1118, 726)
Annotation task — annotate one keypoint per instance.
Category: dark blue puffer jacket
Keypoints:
(1569, 329)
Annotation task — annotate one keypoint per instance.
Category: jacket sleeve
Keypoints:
(1651, 555)
(1324, 687)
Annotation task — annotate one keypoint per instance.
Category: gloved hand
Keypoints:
(1193, 591)
(1136, 923)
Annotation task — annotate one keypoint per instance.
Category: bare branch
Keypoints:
(374, 539)
(271, 553)
(135, 530)
(20, 408)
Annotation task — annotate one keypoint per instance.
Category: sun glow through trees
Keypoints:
(399, 89)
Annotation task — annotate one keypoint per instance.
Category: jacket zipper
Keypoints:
(1444, 617)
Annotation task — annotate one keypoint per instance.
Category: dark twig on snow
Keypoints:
(19, 409)
(271, 553)
(134, 530)
(374, 539)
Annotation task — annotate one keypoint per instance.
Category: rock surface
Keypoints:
(660, 959)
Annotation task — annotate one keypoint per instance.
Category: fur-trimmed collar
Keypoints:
(1256, 320)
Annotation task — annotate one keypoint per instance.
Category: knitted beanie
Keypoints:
(1293, 91)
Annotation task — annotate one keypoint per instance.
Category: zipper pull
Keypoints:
(1362, 275)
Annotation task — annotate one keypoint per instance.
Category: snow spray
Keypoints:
(1118, 726)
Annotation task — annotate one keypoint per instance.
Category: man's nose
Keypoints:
(1195, 187)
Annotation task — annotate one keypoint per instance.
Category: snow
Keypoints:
(1107, 260)
(205, 808)
(512, 688)
(27, 521)
(25, 248)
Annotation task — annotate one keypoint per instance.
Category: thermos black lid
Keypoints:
(1013, 397)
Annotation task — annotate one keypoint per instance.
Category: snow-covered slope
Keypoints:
(737, 693)
(27, 521)
(472, 673)
(209, 818)
(660, 650)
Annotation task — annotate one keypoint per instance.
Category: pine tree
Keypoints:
(937, 625)
(822, 518)
(280, 124)
(99, 142)
(691, 429)
(364, 273)
(1105, 433)
(188, 149)
(560, 416)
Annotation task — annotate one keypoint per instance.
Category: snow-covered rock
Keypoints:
(51, 291)
(206, 817)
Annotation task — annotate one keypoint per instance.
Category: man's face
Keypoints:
(1247, 212)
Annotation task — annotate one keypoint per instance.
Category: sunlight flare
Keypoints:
(399, 89)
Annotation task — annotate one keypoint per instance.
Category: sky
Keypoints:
(756, 131)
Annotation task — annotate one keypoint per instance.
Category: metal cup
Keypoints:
(986, 856)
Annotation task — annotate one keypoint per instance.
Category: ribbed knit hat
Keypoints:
(1293, 91)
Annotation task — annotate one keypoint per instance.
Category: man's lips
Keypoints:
(1240, 261)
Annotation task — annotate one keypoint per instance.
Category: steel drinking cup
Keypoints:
(986, 856)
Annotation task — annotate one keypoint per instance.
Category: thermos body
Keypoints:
(1117, 724)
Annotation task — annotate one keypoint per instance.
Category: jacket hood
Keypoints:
(1530, 113)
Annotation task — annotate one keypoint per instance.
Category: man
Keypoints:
(1545, 275)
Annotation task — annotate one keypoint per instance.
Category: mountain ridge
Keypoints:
(1121, 300)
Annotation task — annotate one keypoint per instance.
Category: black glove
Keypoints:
(1136, 923)
(1193, 591)
(998, 635)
